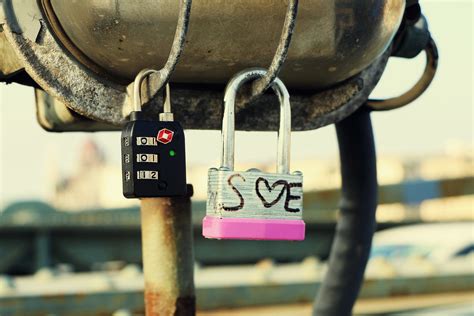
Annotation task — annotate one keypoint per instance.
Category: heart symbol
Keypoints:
(270, 189)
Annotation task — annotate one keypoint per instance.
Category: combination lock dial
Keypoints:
(153, 158)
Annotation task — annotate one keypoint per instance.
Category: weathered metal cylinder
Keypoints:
(168, 257)
(333, 39)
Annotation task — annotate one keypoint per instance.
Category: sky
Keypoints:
(442, 116)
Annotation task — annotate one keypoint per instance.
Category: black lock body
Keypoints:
(153, 158)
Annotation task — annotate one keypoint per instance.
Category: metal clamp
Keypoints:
(261, 85)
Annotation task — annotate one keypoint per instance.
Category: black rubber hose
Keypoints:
(356, 225)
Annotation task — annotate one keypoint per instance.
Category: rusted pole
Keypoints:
(168, 256)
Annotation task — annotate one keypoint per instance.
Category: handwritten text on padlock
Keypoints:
(267, 191)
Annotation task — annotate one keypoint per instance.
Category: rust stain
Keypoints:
(158, 304)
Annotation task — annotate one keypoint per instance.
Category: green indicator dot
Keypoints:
(172, 153)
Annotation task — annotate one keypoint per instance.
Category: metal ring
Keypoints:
(418, 89)
(178, 43)
(261, 85)
(60, 35)
(176, 50)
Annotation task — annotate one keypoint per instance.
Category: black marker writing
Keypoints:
(242, 202)
(290, 197)
(270, 189)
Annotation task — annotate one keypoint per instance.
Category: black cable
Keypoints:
(356, 225)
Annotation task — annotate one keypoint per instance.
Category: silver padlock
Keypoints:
(253, 204)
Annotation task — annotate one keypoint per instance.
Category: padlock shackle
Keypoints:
(137, 84)
(228, 121)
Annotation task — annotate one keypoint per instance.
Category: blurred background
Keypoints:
(65, 225)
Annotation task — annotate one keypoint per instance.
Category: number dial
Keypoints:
(149, 170)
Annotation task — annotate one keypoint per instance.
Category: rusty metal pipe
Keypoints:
(168, 256)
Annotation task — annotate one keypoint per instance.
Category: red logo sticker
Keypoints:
(165, 136)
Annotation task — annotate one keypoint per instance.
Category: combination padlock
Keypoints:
(153, 152)
(254, 204)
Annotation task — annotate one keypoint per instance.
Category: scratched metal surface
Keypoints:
(254, 194)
